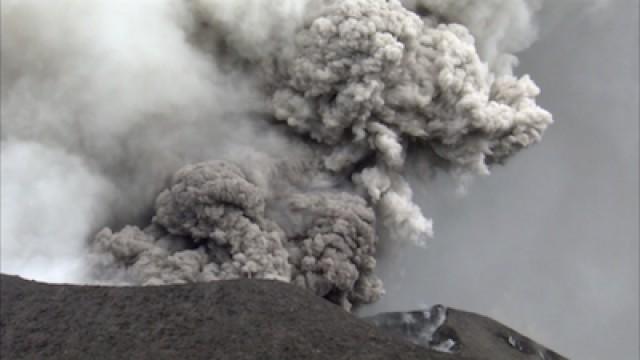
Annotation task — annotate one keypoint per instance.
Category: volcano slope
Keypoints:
(236, 319)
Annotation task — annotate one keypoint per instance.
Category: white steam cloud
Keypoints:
(289, 128)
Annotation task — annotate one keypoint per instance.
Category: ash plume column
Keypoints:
(101, 101)
(374, 76)
(362, 84)
(289, 145)
(212, 224)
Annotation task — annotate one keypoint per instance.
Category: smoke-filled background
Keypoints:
(549, 243)
(343, 127)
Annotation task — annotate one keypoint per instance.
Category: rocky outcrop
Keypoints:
(463, 334)
(236, 319)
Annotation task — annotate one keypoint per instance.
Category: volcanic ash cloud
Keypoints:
(291, 125)
(368, 78)
(212, 223)
(361, 82)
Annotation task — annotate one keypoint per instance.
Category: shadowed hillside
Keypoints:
(241, 319)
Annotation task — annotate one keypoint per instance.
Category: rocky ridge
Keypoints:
(236, 319)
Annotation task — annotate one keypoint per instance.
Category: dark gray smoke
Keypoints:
(360, 82)
(363, 84)
(214, 223)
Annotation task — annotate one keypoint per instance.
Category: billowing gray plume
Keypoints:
(289, 127)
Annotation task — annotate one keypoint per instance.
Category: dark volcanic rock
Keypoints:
(485, 338)
(241, 319)
(462, 333)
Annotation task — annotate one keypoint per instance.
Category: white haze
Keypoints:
(29, 173)
(103, 100)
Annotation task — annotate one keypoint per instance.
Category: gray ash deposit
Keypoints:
(237, 319)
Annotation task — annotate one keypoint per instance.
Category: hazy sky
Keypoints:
(549, 243)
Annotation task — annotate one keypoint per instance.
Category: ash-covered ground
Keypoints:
(236, 319)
